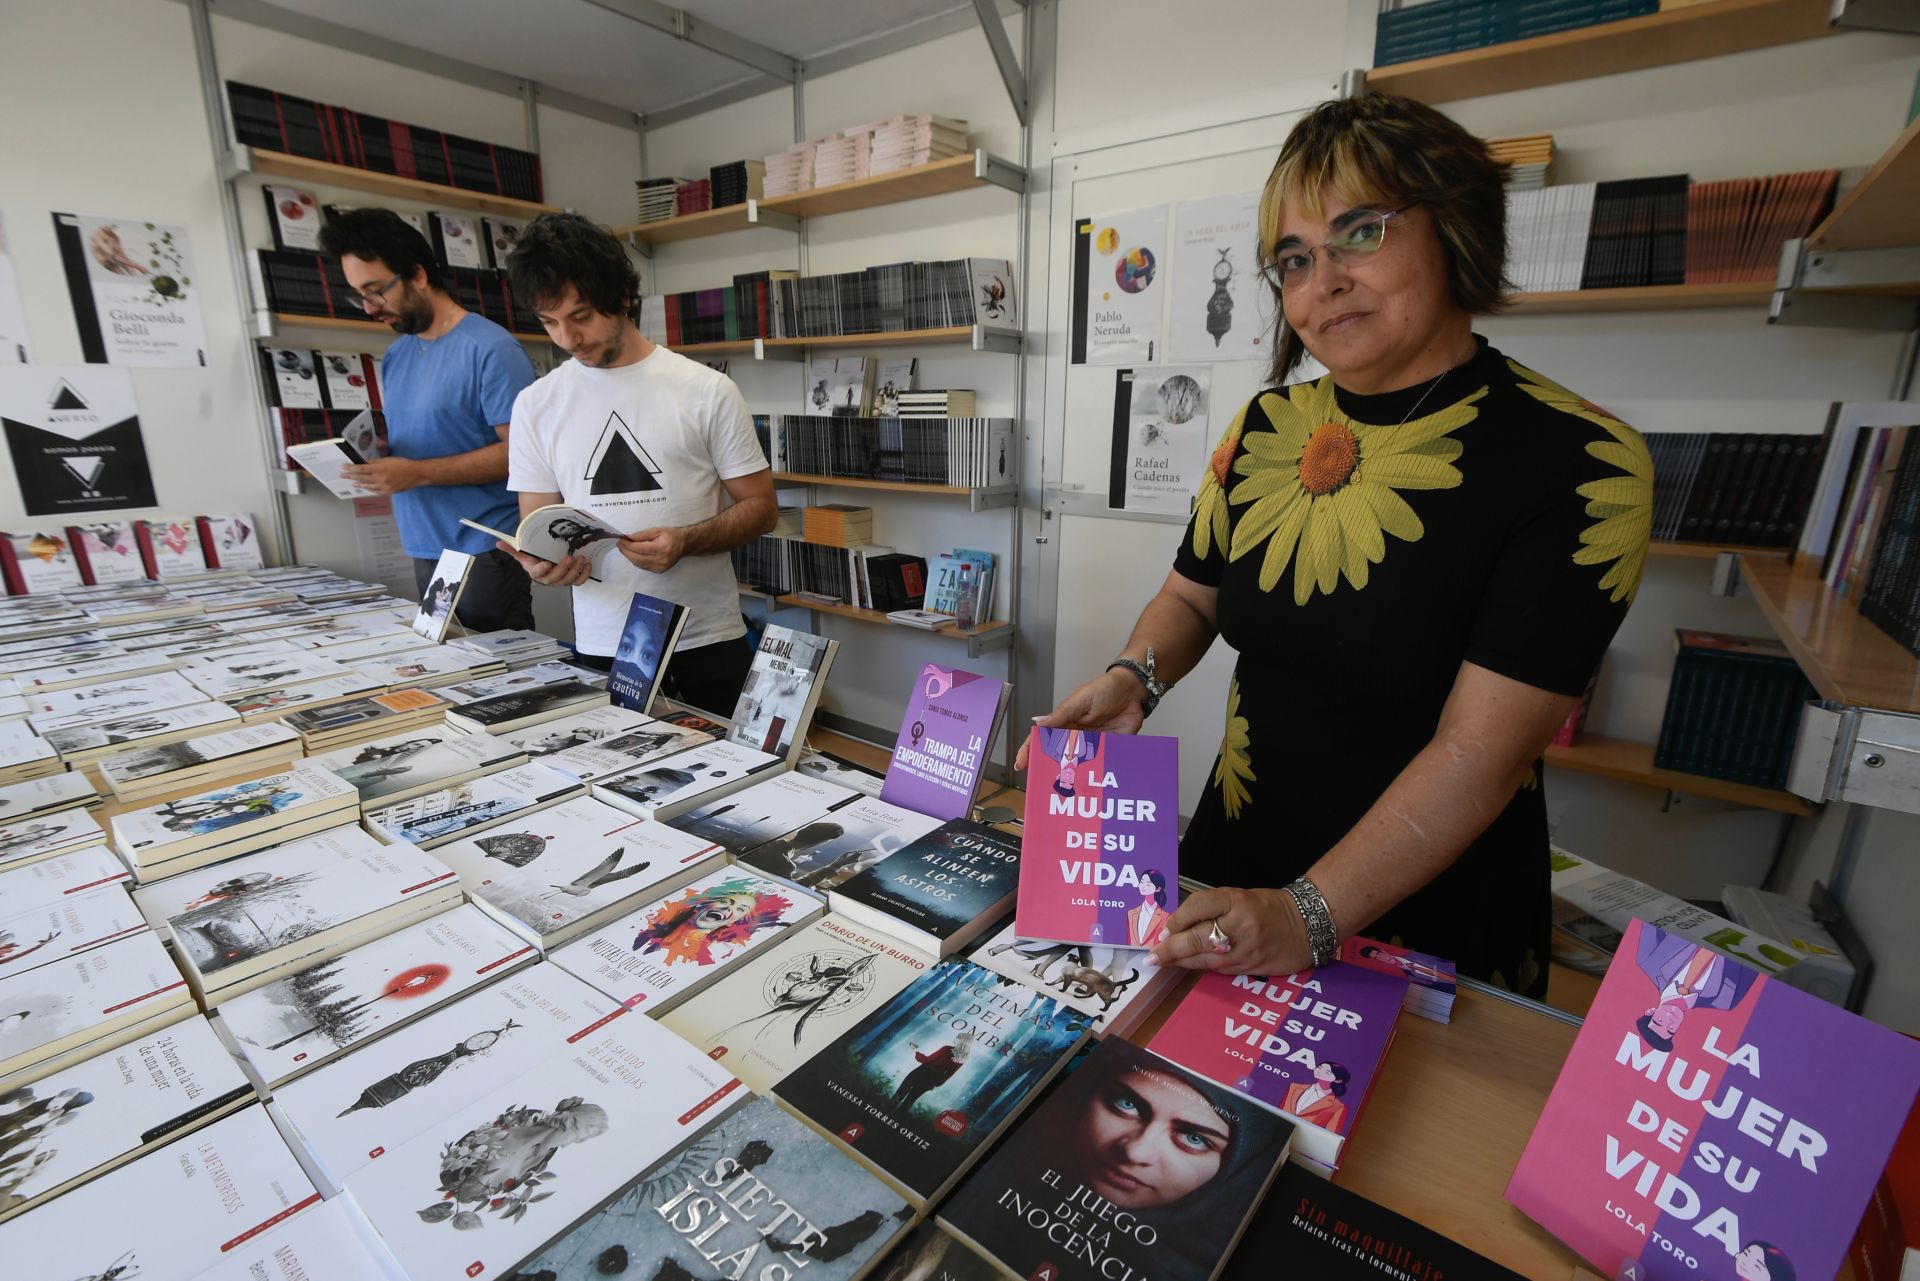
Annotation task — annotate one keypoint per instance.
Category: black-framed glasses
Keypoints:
(1292, 266)
(374, 296)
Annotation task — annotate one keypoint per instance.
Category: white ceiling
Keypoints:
(584, 49)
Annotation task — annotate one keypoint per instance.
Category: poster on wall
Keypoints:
(13, 317)
(134, 289)
(377, 535)
(74, 434)
(1160, 438)
(1119, 292)
(1222, 310)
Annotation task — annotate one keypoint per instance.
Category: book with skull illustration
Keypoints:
(777, 1009)
(467, 809)
(192, 831)
(37, 934)
(668, 786)
(168, 1216)
(813, 1208)
(407, 764)
(345, 1114)
(671, 949)
(572, 867)
(484, 1188)
(1115, 986)
(245, 922)
(86, 1004)
(334, 1004)
(94, 1116)
(758, 814)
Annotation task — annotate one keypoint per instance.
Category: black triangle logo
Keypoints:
(621, 465)
(67, 398)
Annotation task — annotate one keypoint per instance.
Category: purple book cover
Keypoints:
(1102, 838)
(1713, 1124)
(944, 741)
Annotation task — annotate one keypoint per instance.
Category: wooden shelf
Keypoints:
(1878, 211)
(957, 173)
(1750, 293)
(1632, 762)
(996, 340)
(1609, 48)
(1707, 551)
(985, 632)
(276, 164)
(340, 324)
(1846, 657)
(743, 346)
(853, 482)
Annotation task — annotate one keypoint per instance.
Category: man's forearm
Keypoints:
(739, 524)
(475, 467)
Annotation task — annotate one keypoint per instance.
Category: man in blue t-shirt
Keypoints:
(447, 385)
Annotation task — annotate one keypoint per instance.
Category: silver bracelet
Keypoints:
(1322, 937)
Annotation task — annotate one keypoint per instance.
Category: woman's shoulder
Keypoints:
(1534, 396)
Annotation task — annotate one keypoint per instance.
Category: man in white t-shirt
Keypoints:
(648, 441)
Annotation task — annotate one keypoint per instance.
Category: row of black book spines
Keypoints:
(1890, 599)
(1750, 488)
(1637, 234)
(1733, 717)
(304, 284)
(764, 564)
(339, 135)
(306, 426)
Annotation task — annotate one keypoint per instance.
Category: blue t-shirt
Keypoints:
(444, 397)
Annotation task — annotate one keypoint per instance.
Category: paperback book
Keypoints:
(582, 728)
(1116, 987)
(92, 1002)
(86, 744)
(61, 876)
(354, 1110)
(945, 738)
(107, 552)
(781, 691)
(646, 644)
(147, 771)
(442, 595)
(320, 1243)
(930, 1253)
(31, 839)
(831, 849)
(515, 682)
(832, 769)
(39, 796)
(925, 1083)
(270, 704)
(755, 815)
(415, 761)
(606, 757)
(1713, 1122)
(671, 949)
(938, 893)
(1432, 981)
(468, 808)
(102, 1112)
(33, 935)
(555, 532)
(777, 1009)
(170, 1215)
(236, 925)
(811, 1208)
(1307, 1045)
(570, 868)
(323, 1009)
(1102, 835)
(464, 1198)
(1050, 1199)
(533, 705)
(670, 786)
(195, 830)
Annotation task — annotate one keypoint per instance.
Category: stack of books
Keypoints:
(605, 757)
(1736, 489)
(962, 585)
(669, 786)
(894, 298)
(737, 182)
(846, 158)
(30, 840)
(81, 1006)
(1529, 159)
(244, 923)
(41, 796)
(938, 402)
(409, 763)
(1735, 228)
(517, 649)
(434, 818)
(656, 197)
(208, 827)
(908, 141)
(838, 525)
(551, 672)
(150, 771)
(1432, 981)
(1114, 988)
(1733, 709)
(789, 171)
(503, 713)
(1448, 26)
(693, 196)
(427, 667)
(329, 728)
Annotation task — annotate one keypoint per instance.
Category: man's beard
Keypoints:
(414, 315)
(611, 352)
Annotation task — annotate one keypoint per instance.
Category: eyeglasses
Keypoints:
(1292, 266)
(374, 297)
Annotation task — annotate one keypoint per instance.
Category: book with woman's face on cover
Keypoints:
(437, 602)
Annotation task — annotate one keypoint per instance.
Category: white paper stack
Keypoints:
(790, 170)
(916, 140)
(843, 159)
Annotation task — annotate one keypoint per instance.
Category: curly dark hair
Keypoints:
(557, 250)
(1384, 149)
(384, 235)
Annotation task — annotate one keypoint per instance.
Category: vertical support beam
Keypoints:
(220, 139)
(996, 33)
(530, 100)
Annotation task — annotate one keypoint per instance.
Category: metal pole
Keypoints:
(530, 98)
(219, 138)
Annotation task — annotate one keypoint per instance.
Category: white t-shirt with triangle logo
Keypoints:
(641, 446)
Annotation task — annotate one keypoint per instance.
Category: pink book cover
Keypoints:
(1713, 1124)
(1306, 1044)
(1101, 843)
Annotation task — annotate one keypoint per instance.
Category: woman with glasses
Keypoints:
(1419, 559)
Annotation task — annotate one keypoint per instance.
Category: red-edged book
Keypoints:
(35, 561)
(170, 548)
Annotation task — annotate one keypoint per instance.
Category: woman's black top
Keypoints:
(1360, 560)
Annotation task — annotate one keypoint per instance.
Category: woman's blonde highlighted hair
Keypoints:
(1382, 149)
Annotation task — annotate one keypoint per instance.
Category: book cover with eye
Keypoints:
(924, 1084)
(1128, 1166)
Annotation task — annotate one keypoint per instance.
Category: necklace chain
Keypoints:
(1438, 379)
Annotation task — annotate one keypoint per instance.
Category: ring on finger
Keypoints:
(1216, 936)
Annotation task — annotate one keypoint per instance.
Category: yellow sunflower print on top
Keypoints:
(1622, 505)
(1235, 768)
(1322, 491)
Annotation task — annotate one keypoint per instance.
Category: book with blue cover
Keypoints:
(938, 893)
(646, 644)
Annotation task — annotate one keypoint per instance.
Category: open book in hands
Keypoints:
(327, 460)
(555, 532)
